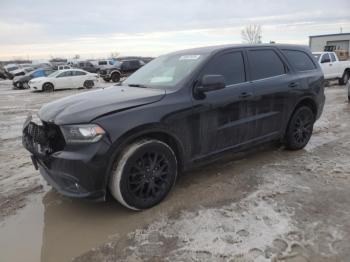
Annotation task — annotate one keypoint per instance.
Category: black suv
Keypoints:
(88, 66)
(173, 113)
(120, 69)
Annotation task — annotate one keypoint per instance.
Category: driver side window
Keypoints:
(325, 58)
(229, 65)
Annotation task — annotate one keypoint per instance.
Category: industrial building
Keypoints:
(332, 42)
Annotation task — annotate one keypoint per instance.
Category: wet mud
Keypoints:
(266, 205)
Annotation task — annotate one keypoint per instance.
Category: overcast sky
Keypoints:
(41, 29)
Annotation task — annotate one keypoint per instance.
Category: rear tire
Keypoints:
(88, 84)
(300, 128)
(144, 174)
(48, 87)
(345, 78)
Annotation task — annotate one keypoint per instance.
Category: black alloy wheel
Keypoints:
(148, 175)
(300, 128)
(144, 175)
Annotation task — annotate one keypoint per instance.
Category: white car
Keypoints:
(333, 68)
(63, 79)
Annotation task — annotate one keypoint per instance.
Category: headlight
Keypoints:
(82, 133)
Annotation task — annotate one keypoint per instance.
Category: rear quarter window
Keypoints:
(265, 63)
(299, 60)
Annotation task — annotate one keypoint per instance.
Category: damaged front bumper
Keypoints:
(74, 171)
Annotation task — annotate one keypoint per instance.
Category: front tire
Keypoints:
(115, 77)
(144, 174)
(48, 87)
(300, 128)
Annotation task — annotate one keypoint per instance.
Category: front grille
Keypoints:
(55, 137)
(43, 139)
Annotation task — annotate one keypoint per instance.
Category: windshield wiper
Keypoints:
(137, 85)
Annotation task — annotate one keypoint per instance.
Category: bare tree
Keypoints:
(76, 57)
(252, 34)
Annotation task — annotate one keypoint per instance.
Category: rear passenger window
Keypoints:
(79, 73)
(230, 65)
(264, 64)
(299, 60)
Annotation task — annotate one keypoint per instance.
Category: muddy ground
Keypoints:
(266, 205)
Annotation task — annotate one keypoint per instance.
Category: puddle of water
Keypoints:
(53, 228)
(21, 236)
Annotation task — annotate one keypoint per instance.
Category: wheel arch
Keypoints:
(305, 101)
(116, 71)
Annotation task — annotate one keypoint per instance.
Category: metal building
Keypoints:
(331, 42)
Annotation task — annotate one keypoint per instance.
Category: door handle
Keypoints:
(293, 84)
(245, 95)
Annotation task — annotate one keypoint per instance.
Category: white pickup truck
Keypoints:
(332, 67)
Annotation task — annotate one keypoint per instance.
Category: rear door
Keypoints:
(78, 78)
(225, 117)
(272, 82)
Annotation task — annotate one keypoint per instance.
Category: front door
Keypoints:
(224, 118)
(327, 66)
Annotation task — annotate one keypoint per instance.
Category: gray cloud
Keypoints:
(45, 22)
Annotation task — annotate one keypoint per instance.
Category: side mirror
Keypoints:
(326, 60)
(211, 83)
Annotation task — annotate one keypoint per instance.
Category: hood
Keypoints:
(85, 107)
(21, 78)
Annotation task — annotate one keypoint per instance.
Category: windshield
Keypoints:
(12, 68)
(317, 56)
(165, 71)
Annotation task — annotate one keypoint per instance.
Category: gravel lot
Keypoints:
(266, 205)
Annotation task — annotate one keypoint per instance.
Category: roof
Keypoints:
(217, 48)
(339, 34)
